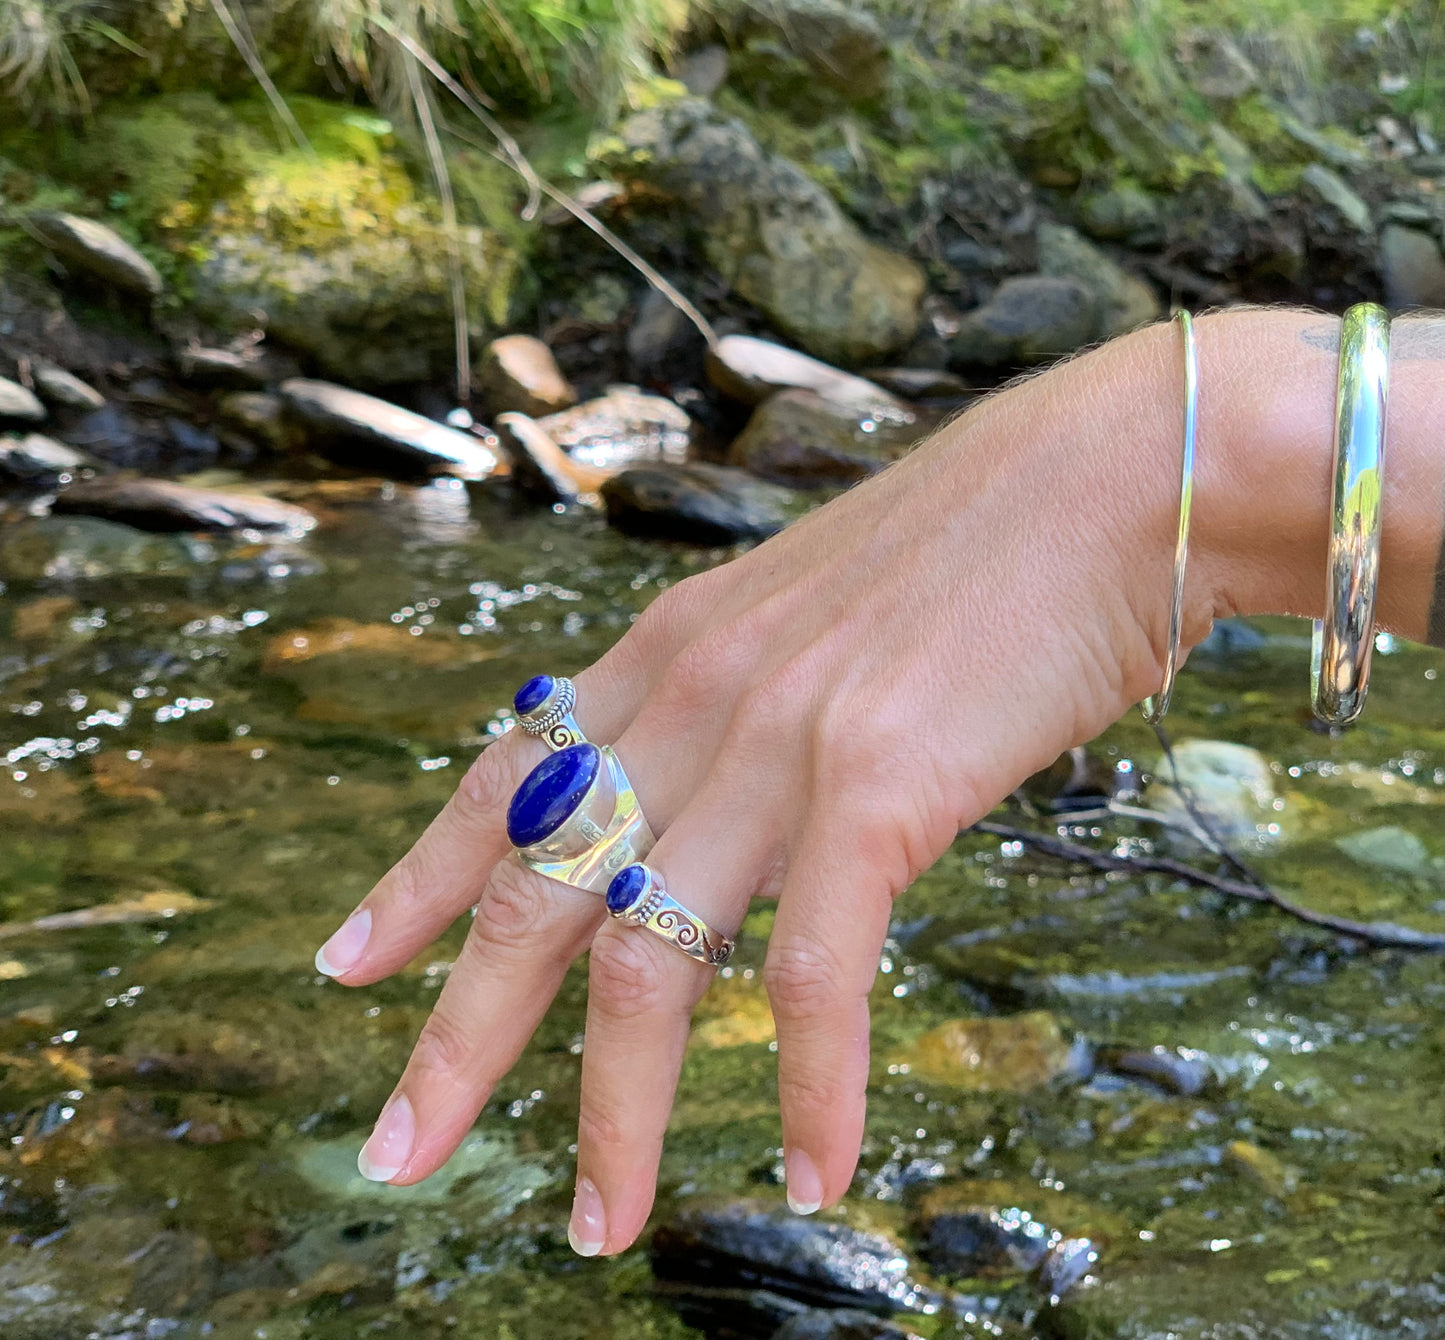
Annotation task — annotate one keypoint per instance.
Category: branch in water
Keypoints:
(1383, 934)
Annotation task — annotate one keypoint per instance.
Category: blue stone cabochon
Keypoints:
(533, 694)
(550, 794)
(628, 885)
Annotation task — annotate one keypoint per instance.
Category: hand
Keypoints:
(812, 722)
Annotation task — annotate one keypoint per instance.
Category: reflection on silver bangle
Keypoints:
(1156, 706)
(1343, 639)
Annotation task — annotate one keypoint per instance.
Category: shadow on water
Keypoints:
(219, 752)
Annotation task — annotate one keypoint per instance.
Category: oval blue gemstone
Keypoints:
(550, 793)
(626, 888)
(533, 694)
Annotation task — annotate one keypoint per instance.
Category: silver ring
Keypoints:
(544, 708)
(575, 818)
(637, 896)
(1157, 705)
(1344, 638)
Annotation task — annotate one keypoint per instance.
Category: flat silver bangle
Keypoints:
(1344, 638)
(1156, 706)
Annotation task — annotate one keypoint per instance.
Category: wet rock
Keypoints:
(1177, 1070)
(818, 1263)
(161, 905)
(920, 383)
(98, 251)
(1014, 1054)
(1029, 319)
(184, 1071)
(986, 1241)
(800, 439)
(697, 504)
(346, 637)
(63, 548)
(751, 370)
(174, 1273)
(518, 372)
(840, 1324)
(39, 619)
(223, 369)
(843, 45)
(34, 459)
(1232, 785)
(704, 71)
(1122, 301)
(63, 390)
(358, 429)
(124, 436)
(1123, 213)
(1067, 1266)
(1261, 1167)
(259, 417)
(19, 404)
(1394, 849)
(663, 345)
(163, 505)
(774, 235)
(1412, 267)
(1335, 192)
(541, 467)
(624, 427)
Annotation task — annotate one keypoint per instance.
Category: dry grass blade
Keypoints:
(245, 45)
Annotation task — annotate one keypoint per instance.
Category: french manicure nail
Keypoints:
(389, 1146)
(587, 1230)
(343, 951)
(805, 1187)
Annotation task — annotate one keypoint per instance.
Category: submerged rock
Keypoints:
(821, 1264)
(1013, 1053)
(1231, 785)
(1029, 319)
(34, 459)
(358, 429)
(70, 548)
(774, 234)
(750, 369)
(19, 404)
(697, 504)
(986, 1241)
(800, 439)
(1177, 1070)
(518, 372)
(840, 1324)
(64, 390)
(174, 1273)
(164, 505)
(99, 251)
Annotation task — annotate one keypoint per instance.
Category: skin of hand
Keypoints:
(815, 721)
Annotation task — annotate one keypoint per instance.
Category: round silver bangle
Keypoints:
(1155, 706)
(1344, 638)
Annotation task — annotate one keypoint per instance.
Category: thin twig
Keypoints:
(421, 97)
(244, 45)
(1383, 934)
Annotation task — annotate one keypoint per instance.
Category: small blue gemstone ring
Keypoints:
(575, 818)
(637, 896)
(544, 708)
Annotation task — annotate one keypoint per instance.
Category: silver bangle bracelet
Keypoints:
(1344, 638)
(1156, 706)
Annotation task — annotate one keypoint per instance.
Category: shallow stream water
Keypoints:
(226, 748)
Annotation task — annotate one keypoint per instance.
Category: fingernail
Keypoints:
(588, 1229)
(343, 951)
(386, 1151)
(805, 1187)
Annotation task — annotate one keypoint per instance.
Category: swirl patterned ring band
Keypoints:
(576, 819)
(1344, 638)
(544, 708)
(637, 896)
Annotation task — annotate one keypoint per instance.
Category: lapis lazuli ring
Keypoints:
(638, 897)
(544, 708)
(575, 818)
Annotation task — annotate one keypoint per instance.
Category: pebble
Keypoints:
(222, 369)
(623, 427)
(751, 369)
(64, 390)
(1029, 319)
(99, 251)
(803, 440)
(519, 372)
(541, 467)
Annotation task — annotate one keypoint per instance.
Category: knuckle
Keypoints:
(625, 978)
(444, 1049)
(601, 1128)
(509, 915)
(808, 1089)
(481, 796)
(802, 981)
